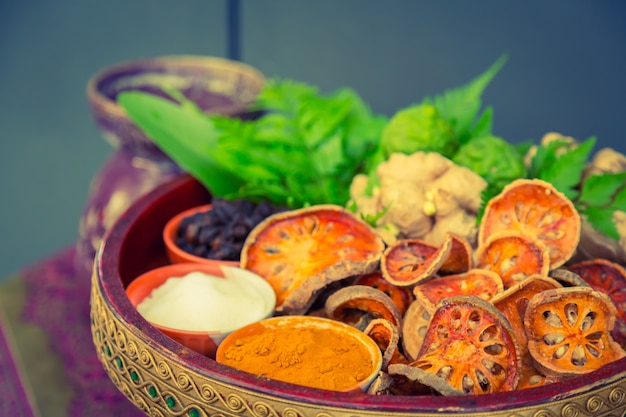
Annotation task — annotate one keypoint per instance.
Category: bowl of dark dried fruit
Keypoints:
(215, 232)
(163, 377)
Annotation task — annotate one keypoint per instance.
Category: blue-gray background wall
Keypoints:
(566, 73)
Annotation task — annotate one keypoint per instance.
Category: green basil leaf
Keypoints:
(602, 220)
(619, 201)
(484, 124)
(545, 156)
(164, 122)
(599, 189)
(566, 171)
(329, 155)
(461, 105)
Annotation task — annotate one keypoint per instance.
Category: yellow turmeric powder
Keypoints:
(313, 357)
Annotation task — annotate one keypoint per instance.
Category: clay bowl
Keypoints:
(174, 252)
(207, 341)
(163, 377)
(280, 331)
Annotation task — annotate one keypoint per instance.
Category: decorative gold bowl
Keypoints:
(163, 378)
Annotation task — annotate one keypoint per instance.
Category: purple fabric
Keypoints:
(58, 302)
(14, 398)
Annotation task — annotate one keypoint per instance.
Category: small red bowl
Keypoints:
(174, 252)
(203, 342)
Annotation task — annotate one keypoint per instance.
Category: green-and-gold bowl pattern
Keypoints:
(163, 378)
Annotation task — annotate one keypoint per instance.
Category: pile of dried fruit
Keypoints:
(512, 312)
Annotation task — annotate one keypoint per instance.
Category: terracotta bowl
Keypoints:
(203, 342)
(162, 377)
(280, 328)
(174, 252)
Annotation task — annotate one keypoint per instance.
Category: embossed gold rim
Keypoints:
(161, 378)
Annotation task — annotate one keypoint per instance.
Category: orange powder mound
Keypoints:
(319, 358)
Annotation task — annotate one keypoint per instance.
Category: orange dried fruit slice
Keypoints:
(409, 261)
(479, 282)
(387, 337)
(299, 252)
(471, 345)
(568, 278)
(414, 325)
(531, 377)
(569, 329)
(535, 208)
(459, 258)
(402, 297)
(609, 278)
(350, 304)
(513, 256)
(380, 385)
(409, 380)
(514, 301)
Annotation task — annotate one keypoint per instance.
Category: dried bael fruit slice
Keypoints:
(387, 337)
(409, 380)
(380, 385)
(301, 251)
(514, 301)
(536, 208)
(414, 325)
(531, 376)
(409, 261)
(459, 259)
(569, 329)
(513, 256)
(470, 344)
(402, 297)
(479, 282)
(351, 303)
(610, 278)
(568, 278)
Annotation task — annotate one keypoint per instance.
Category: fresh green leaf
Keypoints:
(524, 146)
(566, 171)
(599, 189)
(461, 105)
(329, 155)
(619, 202)
(320, 118)
(489, 192)
(483, 125)
(602, 220)
(546, 155)
(372, 219)
(283, 96)
(164, 122)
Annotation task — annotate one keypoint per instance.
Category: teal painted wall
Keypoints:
(566, 73)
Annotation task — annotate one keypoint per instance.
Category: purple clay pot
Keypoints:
(137, 166)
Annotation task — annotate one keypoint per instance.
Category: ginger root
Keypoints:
(422, 196)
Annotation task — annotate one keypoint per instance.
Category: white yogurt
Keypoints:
(202, 302)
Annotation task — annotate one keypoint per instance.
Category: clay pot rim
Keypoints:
(96, 97)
